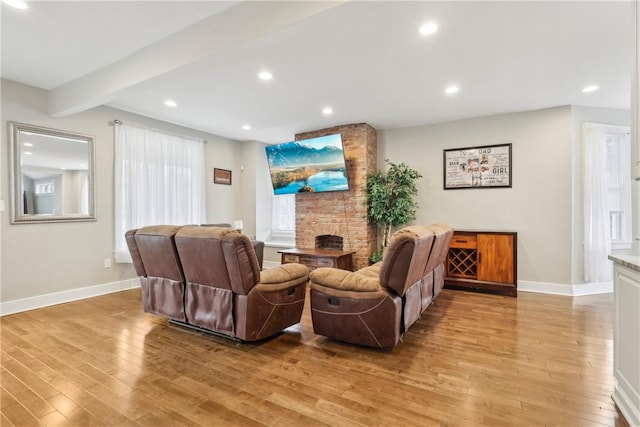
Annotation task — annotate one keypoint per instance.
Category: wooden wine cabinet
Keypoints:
(483, 260)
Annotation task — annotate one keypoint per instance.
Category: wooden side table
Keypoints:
(314, 258)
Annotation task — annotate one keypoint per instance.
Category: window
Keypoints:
(159, 179)
(283, 217)
(618, 186)
(45, 188)
(606, 196)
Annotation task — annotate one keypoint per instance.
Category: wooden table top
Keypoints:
(316, 251)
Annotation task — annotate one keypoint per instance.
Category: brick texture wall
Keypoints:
(342, 213)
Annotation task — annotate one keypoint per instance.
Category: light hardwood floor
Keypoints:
(473, 359)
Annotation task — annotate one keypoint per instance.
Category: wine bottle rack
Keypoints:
(462, 263)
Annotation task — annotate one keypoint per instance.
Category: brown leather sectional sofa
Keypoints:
(210, 278)
(375, 305)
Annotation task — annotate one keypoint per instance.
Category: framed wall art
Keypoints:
(477, 167)
(221, 176)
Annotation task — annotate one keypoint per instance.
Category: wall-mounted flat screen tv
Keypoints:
(309, 166)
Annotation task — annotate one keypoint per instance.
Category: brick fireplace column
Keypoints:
(342, 213)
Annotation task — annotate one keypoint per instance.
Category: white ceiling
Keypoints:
(364, 59)
(49, 155)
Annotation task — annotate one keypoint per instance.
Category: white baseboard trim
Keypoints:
(627, 400)
(568, 290)
(593, 288)
(31, 303)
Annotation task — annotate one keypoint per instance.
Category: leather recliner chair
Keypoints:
(209, 277)
(375, 305)
(156, 261)
(227, 293)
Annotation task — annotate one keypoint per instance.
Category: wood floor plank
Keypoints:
(55, 419)
(472, 359)
(5, 422)
(31, 401)
(35, 382)
(18, 415)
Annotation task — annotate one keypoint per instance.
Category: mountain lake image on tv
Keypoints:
(310, 166)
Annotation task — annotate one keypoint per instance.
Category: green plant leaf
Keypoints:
(390, 196)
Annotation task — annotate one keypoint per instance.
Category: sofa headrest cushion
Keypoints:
(406, 256)
(157, 249)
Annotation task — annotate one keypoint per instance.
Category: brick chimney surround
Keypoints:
(342, 213)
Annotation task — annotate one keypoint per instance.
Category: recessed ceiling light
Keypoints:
(64, 169)
(18, 4)
(428, 28)
(28, 153)
(327, 111)
(246, 127)
(590, 88)
(451, 90)
(28, 144)
(265, 75)
(170, 103)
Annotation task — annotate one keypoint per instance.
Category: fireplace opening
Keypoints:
(329, 241)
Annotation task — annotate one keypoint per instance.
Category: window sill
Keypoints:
(280, 244)
(621, 245)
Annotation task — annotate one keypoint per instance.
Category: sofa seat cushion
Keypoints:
(333, 292)
(284, 276)
(372, 271)
(361, 281)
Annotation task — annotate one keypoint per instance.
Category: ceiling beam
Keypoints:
(246, 21)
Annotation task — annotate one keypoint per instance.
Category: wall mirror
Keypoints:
(52, 175)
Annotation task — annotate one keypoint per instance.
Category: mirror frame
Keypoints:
(17, 215)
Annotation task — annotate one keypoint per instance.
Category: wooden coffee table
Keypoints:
(314, 258)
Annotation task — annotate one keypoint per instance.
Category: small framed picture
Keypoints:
(221, 176)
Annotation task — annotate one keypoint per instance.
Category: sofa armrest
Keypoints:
(283, 276)
(344, 280)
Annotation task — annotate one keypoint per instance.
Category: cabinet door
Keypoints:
(495, 258)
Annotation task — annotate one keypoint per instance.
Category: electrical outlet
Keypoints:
(107, 263)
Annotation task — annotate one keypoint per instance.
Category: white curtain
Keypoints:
(597, 237)
(283, 216)
(159, 179)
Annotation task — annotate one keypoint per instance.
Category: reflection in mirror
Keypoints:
(52, 174)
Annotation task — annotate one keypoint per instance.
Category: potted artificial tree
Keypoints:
(390, 200)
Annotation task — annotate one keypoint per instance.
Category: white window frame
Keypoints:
(623, 178)
(283, 218)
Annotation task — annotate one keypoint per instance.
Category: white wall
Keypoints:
(538, 206)
(39, 259)
(545, 203)
(252, 209)
(223, 202)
